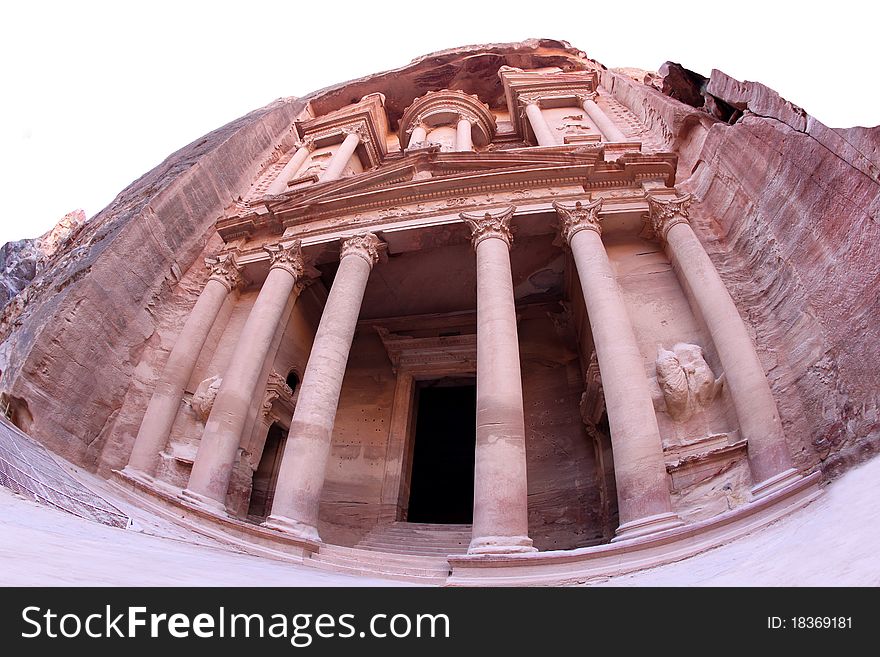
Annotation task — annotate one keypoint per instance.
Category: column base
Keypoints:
(203, 502)
(648, 525)
(775, 483)
(293, 527)
(138, 475)
(501, 545)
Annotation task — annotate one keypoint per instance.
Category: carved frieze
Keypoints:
(432, 355)
(490, 224)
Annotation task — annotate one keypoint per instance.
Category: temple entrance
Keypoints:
(442, 482)
(266, 475)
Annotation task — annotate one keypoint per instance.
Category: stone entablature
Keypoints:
(503, 173)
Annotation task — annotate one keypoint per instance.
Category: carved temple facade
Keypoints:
(487, 311)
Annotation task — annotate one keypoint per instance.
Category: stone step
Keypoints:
(426, 552)
(415, 542)
(374, 556)
(376, 544)
(387, 566)
(421, 576)
(463, 536)
(428, 526)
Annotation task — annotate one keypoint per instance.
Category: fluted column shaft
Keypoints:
(165, 402)
(539, 125)
(501, 522)
(463, 136)
(280, 184)
(212, 468)
(640, 473)
(609, 130)
(301, 477)
(341, 157)
(756, 411)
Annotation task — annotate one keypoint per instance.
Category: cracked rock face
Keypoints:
(788, 209)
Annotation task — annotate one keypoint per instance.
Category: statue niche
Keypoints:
(686, 380)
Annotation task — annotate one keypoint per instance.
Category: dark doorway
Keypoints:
(266, 475)
(442, 483)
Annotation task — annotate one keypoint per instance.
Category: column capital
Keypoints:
(306, 142)
(665, 214)
(357, 129)
(578, 217)
(364, 245)
(490, 224)
(587, 95)
(287, 257)
(225, 269)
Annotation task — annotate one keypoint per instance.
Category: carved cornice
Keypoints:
(225, 269)
(665, 214)
(365, 245)
(486, 225)
(431, 355)
(278, 402)
(287, 257)
(447, 107)
(578, 217)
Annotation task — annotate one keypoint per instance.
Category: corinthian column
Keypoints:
(639, 469)
(759, 422)
(463, 136)
(290, 169)
(501, 520)
(609, 130)
(165, 402)
(301, 477)
(342, 155)
(539, 124)
(215, 458)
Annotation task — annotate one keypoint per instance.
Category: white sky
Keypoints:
(94, 94)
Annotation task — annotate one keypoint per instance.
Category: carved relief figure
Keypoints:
(686, 380)
(203, 397)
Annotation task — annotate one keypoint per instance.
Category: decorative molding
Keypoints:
(364, 245)
(279, 401)
(445, 108)
(488, 224)
(580, 216)
(666, 214)
(225, 269)
(455, 354)
(289, 257)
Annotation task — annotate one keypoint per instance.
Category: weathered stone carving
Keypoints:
(686, 380)
(365, 245)
(578, 217)
(203, 398)
(665, 214)
(225, 269)
(488, 224)
(287, 257)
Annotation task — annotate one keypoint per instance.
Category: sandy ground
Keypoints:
(834, 541)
